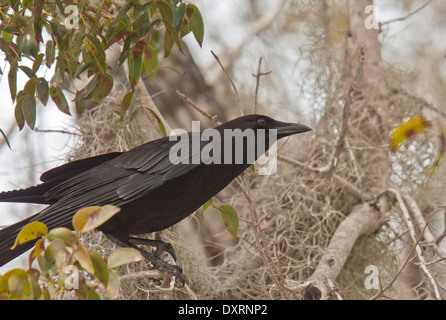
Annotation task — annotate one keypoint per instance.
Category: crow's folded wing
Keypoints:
(131, 174)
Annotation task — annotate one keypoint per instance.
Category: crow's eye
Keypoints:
(261, 122)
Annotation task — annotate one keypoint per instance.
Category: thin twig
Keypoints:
(340, 140)
(380, 294)
(408, 221)
(184, 98)
(274, 271)
(424, 103)
(231, 81)
(258, 75)
(340, 182)
(406, 16)
(57, 131)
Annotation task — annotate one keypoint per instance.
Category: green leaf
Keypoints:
(42, 90)
(166, 11)
(230, 218)
(124, 256)
(30, 86)
(111, 28)
(100, 267)
(64, 234)
(105, 84)
(207, 204)
(160, 123)
(96, 44)
(60, 6)
(27, 71)
(150, 62)
(59, 99)
(170, 37)
(37, 62)
(128, 103)
(195, 22)
(50, 53)
(181, 12)
(30, 232)
(135, 67)
(81, 105)
(29, 111)
(85, 93)
(92, 295)
(113, 286)
(89, 218)
(33, 280)
(54, 254)
(82, 256)
(18, 113)
(83, 67)
(12, 79)
(6, 138)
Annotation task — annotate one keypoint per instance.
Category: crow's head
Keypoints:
(253, 135)
(257, 122)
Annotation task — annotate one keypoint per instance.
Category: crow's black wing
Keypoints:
(54, 177)
(76, 167)
(121, 180)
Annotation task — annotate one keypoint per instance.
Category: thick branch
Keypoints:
(362, 220)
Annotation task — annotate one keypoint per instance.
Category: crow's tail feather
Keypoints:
(8, 236)
(29, 195)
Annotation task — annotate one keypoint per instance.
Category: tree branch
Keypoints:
(408, 221)
(362, 220)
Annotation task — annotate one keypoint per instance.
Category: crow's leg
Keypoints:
(155, 259)
(158, 244)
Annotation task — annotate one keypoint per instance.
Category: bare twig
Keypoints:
(340, 182)
(57, 131)
(421, 101)
(381, 294)
(257, 27)
(258, 75)
(274, 271)
(406, 16)
(184, 98)
(230, 80)
(408, 221)
(419, 218)
(340, 140)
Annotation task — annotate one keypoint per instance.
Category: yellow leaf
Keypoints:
(30, 232)
(407, 130)
(90, 218)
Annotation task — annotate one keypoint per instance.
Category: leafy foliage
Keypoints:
(228, 214)
(73, 36)
(65, 264)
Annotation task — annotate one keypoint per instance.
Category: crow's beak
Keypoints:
(287, 129)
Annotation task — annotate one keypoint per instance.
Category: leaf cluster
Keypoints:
(73, 36)
(64, 264)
